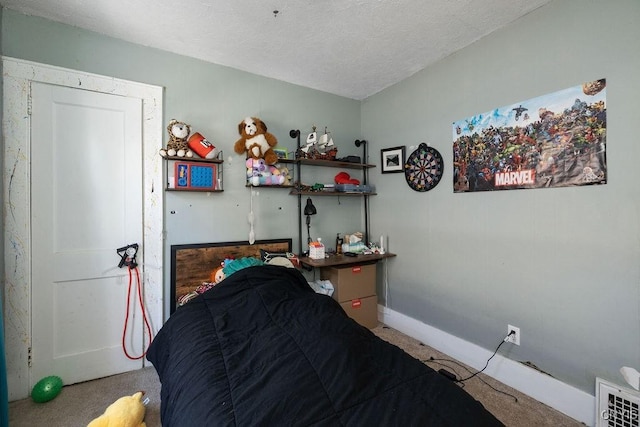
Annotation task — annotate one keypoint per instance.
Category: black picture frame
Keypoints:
(392, 159)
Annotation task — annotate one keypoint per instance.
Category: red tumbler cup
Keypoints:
(203, 148)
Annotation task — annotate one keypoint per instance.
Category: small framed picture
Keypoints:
(281, 153)
(392, 159)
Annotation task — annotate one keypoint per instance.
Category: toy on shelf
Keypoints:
(260, 173)
(346, 184)
(195, 176)
(184, 144)
(318, 149)
(178, 137)
(286, 173)
(345, 178)
(201, 146)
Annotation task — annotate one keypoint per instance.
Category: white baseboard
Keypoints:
(567, 399)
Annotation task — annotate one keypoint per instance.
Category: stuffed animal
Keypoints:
(255, 167)
(178, 140)
(128, 411)
(259, 173)
(277, 176)
(286, 173)
(255, 141)
(217, 275)
(273, 177)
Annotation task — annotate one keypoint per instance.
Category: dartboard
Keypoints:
(423, 168)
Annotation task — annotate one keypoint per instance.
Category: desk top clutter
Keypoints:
(316, 249)
(354, 251)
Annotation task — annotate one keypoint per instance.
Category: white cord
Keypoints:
(251, 218)
(386, 284)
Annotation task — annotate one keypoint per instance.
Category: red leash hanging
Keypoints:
(144, 316)
(128, 258)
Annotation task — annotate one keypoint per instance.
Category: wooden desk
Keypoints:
(338, 260)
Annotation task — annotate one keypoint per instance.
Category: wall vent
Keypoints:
(616, 406)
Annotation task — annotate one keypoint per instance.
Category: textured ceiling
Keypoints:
(353, 48)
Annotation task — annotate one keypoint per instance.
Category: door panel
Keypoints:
(86, 154)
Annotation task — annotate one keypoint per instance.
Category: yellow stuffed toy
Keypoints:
(128, 411)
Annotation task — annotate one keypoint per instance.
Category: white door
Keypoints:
(86, 201)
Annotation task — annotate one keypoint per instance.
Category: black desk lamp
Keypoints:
(309, 210)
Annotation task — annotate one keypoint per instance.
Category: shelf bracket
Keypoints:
(365, 160)
(295, 134)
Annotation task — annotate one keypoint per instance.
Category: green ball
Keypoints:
(46, 389)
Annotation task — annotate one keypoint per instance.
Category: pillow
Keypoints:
(281, 261)
(268, 256)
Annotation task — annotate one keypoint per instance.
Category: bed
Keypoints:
(192, 263)
(262, 348)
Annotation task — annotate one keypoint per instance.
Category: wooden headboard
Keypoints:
(192, 264)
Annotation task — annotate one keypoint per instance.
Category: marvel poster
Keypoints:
(556, 140)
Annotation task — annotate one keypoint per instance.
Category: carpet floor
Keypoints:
(78, 404)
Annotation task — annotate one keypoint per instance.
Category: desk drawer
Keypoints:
(363, 310)
(351, 282)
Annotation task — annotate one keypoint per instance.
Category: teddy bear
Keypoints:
(255, 141)
(128, 411)
(178, 138)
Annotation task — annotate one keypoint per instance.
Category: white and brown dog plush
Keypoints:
(256, 141)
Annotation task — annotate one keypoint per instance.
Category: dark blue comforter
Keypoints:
(261, 348)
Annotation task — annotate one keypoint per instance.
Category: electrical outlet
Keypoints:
(513, 338)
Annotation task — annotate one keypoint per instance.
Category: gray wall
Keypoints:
(213, 99)
(561, 264)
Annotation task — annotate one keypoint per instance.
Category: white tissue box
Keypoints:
(316, 250)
